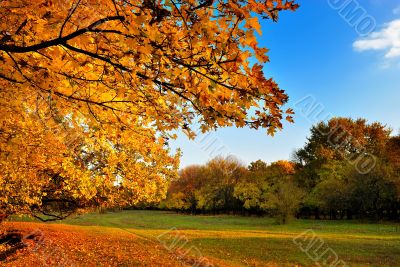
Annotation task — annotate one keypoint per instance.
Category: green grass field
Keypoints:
(254, 241)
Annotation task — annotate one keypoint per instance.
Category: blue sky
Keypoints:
(314, 52)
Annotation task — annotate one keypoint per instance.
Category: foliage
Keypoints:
(91, 90)
(78, 246)
(44, 171)
(184, 189)
(209, 187)
(284, 198)
(220, 177)
(324, 180)
(251, 194)
(343, 139)
(224, 185)
(330, 170)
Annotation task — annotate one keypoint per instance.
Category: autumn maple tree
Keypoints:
(119, 76)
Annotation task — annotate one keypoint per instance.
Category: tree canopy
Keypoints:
(139, 62)
(90, 91)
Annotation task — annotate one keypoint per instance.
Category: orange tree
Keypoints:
(121, 75)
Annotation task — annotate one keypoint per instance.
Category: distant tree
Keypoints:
(343, 138)
(221, 176)
(207, 188)
(331, 194)
(182, 191)
(251, 194)
(331, 168)
(255, 188)
(178, 201)
(374, 193)
(284, 199)
(393, 157)
(393, 152)
(258, 166)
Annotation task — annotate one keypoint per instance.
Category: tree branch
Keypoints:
(59, 40)
(8, 79)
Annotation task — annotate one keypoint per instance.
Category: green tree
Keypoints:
(255, 188)
(331, 194)
(332, 170)
(221, 176)
(284, 199)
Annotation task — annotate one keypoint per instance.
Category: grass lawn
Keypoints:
(168, 239)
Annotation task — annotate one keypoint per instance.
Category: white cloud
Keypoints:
(387, 40)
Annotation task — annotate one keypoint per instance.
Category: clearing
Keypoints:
(158, 238)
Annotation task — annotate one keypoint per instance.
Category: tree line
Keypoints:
(347, 169)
